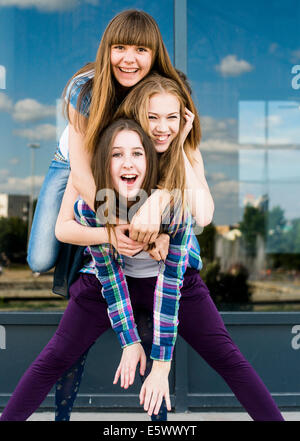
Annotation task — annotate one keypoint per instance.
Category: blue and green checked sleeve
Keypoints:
(114, 285)
(167, 290)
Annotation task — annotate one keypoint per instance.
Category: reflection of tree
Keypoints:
(225, 287)
(282, 237)
(253, 223)
(276, 236)
(13, 238)
(207, 242)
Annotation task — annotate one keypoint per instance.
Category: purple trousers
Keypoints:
(85, 319)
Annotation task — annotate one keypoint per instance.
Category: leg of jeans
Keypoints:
(67, 387)
(84, 320)
(144, 322)
(201, 325)
(43, 246)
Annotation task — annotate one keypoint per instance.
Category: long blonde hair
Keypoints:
(171, 162)
(136, 105)
(130, 27)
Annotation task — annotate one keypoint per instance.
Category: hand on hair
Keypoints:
(156, 387)
(189, 118)
(123, 244)
(132, 354)
(160, 249)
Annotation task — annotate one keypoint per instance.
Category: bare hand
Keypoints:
(132, 354)
(189, 117)
(145, 224)
(161, 248)
(123, 244)
(154, 389)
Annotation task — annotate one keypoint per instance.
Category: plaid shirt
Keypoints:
(183, 250)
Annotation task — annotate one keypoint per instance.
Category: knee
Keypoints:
(40, 262)
(56, 357)
(38, 266)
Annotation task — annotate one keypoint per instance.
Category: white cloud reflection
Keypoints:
(47, 5)
(230, 66)
(42, 132)
(31, 110)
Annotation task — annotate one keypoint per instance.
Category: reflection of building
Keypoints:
(222, 229)
(14, 205)
(262, 202)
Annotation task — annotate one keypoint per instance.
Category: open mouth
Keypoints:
(128, 70)
(129, 179)
(162, 138)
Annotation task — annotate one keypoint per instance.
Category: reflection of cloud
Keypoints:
(216, 176)
(19, 185)
(43, 132)
(295, 56)
(223, 188)
(6, 104)
(223, 145)
(31, 110)
(230, 66)
(273, 47)
(42, 5)
(47, 5)
(2, 77)
(223, 129)
(3, 175)
(274, 120)
(14, 161)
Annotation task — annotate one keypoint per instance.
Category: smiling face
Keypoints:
(164, 119)
(128, 163)
(130, 64)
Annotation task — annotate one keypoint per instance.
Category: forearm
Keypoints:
(72, 232)
(85, 185)
(198, 195)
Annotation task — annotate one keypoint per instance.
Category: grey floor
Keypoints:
(189, 416)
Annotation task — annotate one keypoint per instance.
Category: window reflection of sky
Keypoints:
(241, 68)
(41, 46)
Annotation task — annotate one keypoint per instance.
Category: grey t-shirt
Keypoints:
(140, 266)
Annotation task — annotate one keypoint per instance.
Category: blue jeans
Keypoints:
(43, 246)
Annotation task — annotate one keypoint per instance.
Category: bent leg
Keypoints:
(84, 320)
(201, 325)
(43, 247)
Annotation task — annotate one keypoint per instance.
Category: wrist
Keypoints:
(161, 366)
(104, 235)
(164, 197)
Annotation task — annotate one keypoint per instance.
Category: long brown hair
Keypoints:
(101, 166)
(130, 27)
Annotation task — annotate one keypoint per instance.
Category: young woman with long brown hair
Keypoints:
(125, 164)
